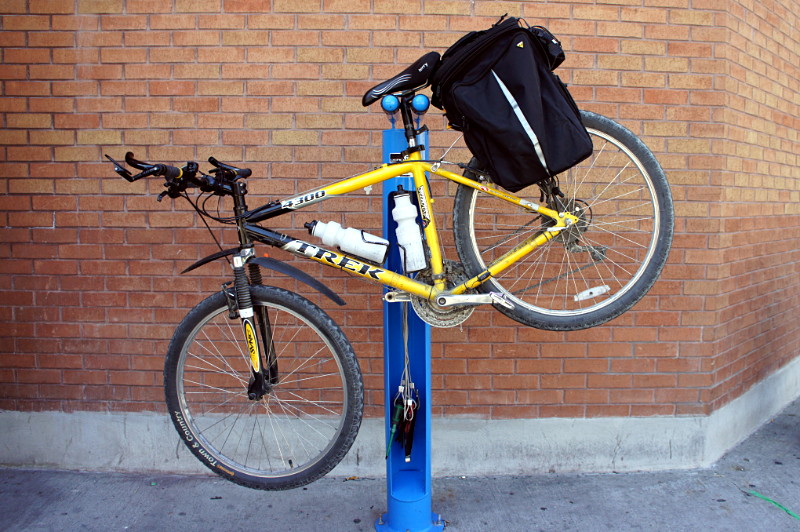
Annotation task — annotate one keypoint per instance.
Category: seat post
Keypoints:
(408, 119)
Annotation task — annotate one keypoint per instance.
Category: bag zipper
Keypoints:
(478, 48)
(457, 84)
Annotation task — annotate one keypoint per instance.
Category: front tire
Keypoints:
(294, 434)
(599, 268)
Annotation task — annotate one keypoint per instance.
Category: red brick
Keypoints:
(174, 93)
(26, 22)
(27, 88)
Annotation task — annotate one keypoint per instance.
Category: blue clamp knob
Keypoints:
(390, 103)
(420, 103)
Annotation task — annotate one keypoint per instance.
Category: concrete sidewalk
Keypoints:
(730, 496)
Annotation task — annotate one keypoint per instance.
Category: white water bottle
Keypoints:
(412, 254)
(351, 240)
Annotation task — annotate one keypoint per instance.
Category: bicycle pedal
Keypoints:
(396, 297)
(500, 299)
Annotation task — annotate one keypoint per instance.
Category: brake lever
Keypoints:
(122, 171)
(227, 171)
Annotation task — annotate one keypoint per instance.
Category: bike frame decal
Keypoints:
(352, 265)
(303, 201)
(331, 258)
(252, 345)
(424, 211)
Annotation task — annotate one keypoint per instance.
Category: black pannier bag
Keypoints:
(517, 117)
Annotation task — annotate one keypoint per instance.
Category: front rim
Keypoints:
(286, 432)
(581, 272)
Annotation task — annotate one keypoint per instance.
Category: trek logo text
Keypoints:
(332, 258)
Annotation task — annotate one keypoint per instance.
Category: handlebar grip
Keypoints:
(170, 172)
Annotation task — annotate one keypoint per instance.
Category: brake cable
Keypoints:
(202, 213)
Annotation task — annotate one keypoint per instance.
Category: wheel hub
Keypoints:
(580, 209)
(258, 386)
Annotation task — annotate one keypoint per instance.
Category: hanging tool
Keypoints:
(405, 403)
(410, 421)
(397, 417)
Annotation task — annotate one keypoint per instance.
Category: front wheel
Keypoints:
(598, 268)
(296, 432)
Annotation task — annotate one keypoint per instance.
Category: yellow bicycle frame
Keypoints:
(417, 168)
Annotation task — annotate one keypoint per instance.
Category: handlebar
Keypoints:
(147, 169)
(178, 180)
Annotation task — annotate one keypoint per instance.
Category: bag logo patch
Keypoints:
(520, 44)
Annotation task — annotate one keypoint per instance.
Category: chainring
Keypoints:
(443, 317)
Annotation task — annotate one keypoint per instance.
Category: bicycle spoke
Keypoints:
(304, 441)
(589, 267)
(305, 417)
(287, 383)
(305, 401)
(294, 431)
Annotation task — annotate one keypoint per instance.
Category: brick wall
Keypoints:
(89, 292)
(753, 262)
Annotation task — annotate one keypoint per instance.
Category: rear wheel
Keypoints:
(601, 266)
(305, 423)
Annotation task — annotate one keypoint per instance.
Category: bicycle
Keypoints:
(265, 389)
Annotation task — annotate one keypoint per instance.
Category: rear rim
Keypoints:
(587, 268)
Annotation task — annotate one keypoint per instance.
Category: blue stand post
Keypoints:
(408, 484)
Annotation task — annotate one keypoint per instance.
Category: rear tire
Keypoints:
(601, 267)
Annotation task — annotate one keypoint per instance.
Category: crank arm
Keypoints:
(492, 298)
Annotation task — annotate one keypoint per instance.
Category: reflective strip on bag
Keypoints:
(522, 120)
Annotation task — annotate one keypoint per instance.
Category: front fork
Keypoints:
(255, 323)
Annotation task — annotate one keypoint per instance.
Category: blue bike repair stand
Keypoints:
(408, 484)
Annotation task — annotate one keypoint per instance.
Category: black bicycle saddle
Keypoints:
(414, 77)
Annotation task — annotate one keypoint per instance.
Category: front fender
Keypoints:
(211, 258)
(276, 265)
(303, 277)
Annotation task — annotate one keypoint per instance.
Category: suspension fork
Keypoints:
(258, 386)
(265, 328)
(255, 321)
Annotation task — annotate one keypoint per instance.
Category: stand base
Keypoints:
(435, 524)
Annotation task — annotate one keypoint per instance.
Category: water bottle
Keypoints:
(409, 238)
(350, 240)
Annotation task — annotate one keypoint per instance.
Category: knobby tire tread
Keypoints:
(343, 351)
